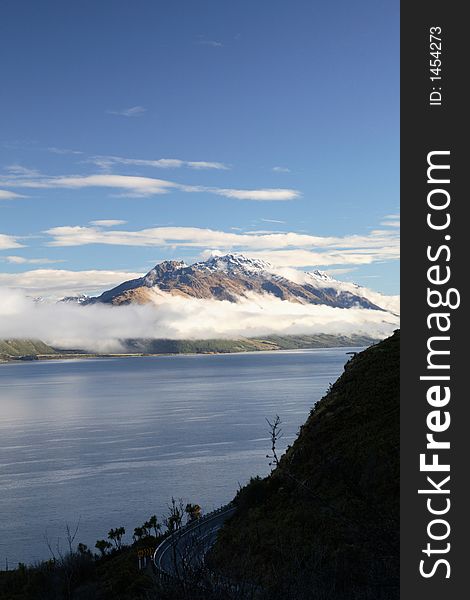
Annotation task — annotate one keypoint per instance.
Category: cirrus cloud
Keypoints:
(138, 186)
(260, 195)
(8, 195)
(106, 162)
(8, 242)
(21, 260)
(108, 222)
(132, 111)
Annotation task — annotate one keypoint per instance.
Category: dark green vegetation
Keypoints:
(324, 524)
(80, 576)
(112, 573)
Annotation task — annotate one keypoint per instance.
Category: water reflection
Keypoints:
(111, 441)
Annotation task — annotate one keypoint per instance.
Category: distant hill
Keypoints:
(273, 342)
(17, 348)
(325, 523)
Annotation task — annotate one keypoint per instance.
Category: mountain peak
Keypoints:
(235, 262)
(321, 276)
(171, 265)
(159, 270)
(78, 299)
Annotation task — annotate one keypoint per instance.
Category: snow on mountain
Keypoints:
(80, 299)
(320, 276)
(230, 263)
(153, 276)
(234, 276)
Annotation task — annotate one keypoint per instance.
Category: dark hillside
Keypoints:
(324, 524)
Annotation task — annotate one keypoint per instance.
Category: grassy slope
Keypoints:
(325, 523)
(24, 347)
(272, 342)
(10, 349)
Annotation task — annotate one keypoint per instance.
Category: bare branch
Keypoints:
(275, 434)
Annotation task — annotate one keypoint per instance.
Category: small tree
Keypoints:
(154, 524)
(193, 511)
(138, 534)
(116, 536)
(275, 434)
(146, 528)
(103, 546)
(120, 531)
(83, 549)
(174, 520)
(112, 536)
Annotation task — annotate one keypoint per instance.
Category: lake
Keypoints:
(108, 442)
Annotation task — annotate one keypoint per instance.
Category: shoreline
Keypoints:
(17, 351)
(88, 356)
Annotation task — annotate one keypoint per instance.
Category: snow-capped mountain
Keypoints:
(320, 276)
(232, 277)
(234, 263)
(80, 299)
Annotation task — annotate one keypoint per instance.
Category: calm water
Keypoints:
(110, 441)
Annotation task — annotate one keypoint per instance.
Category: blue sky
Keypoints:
(133, 132)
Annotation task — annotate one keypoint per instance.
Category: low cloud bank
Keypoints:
(101, 327)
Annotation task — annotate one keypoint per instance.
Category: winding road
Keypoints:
(185, 550)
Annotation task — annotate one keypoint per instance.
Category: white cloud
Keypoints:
(304, 258)
(259, 195)
(144, 186)
(281, 249)
(203, 164)
(21, 171)
(58, 282)
(180, 236)
(287, 249)
(390, 223)
(133, 111)
(8, 195)
(99, 327)
(55, 150)
(107, 162)
(263, 231)
(8, 242)
(108, 222)
(281, 169)
(272, 221)
(341, 271)
(21, 260)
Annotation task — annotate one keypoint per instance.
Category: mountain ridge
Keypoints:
(232, 277)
